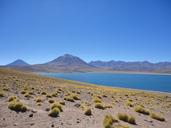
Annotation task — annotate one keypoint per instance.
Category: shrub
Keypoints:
(5, 89)
(51, 101)
(23, 92)
(127, 118)
(97, 100)
(87, 112)
(157, 117)
(1, 94)
(54, 112)
(99, 106)
(131, 120)
(12, 98)
(38, 104)
(38, 100)
(142, 110)
(54, 94)
(108, 106)
(17, 106)
(62, 102)
(129, 103)
(108, 121)
(75, 97)
(123, 117)
(31, 93)
(57, 105)
(27, 95)
(69, 98)
(49, 96)
(43, 93)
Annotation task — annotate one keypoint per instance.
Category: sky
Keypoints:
(38, 31)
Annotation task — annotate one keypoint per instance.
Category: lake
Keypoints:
(135, 81)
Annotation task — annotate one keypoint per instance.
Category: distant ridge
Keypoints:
(163, 67)
(70, 63)
(18, 63)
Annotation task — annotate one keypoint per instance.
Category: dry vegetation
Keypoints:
(28, 100)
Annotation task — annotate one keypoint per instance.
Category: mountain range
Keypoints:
(70, 63)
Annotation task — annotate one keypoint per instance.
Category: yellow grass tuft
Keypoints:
(54, 112)
(17, 106)
(99, 106)
(1, 94)
(127, 118)
(12, 98)
(108, 121)
(157, 117)
(142, 110)
(57, 105)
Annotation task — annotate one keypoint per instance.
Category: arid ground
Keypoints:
(32, 101)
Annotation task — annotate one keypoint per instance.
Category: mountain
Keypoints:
(65, 63)
(70, 63)
(18, 63)
(133, 66)
(68, 60)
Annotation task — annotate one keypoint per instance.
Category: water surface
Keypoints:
(134, 81)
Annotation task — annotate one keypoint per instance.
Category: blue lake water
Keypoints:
(135, 81)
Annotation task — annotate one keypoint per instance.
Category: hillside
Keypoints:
(28, 100)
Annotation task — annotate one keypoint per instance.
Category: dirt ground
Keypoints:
(35, 93)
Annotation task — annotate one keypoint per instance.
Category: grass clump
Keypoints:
(55, 94)
(99, 106)
(75, 96)
(108, 121)
(157, 117)
(62, 102)
(12, 98)
(1, 94)
(108, 106)
(38, 100)
(17, 106)
(31, 93)
(51, 101)
(69, 98)
(87, 111)
(49, 96)
(57, 105)
(142, 110)
(23, 92)
(43, 93)
(56, 108)
(129, 103)
(97, 100)
(54, 112)
(126, 118)
(27, 95)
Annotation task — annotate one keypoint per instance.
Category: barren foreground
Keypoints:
(32, 101)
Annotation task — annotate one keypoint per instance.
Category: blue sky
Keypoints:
(40, 30)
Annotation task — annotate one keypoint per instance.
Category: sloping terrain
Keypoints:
(32, 101)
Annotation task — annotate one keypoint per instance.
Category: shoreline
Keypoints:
(113, 87)
(114, 72)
